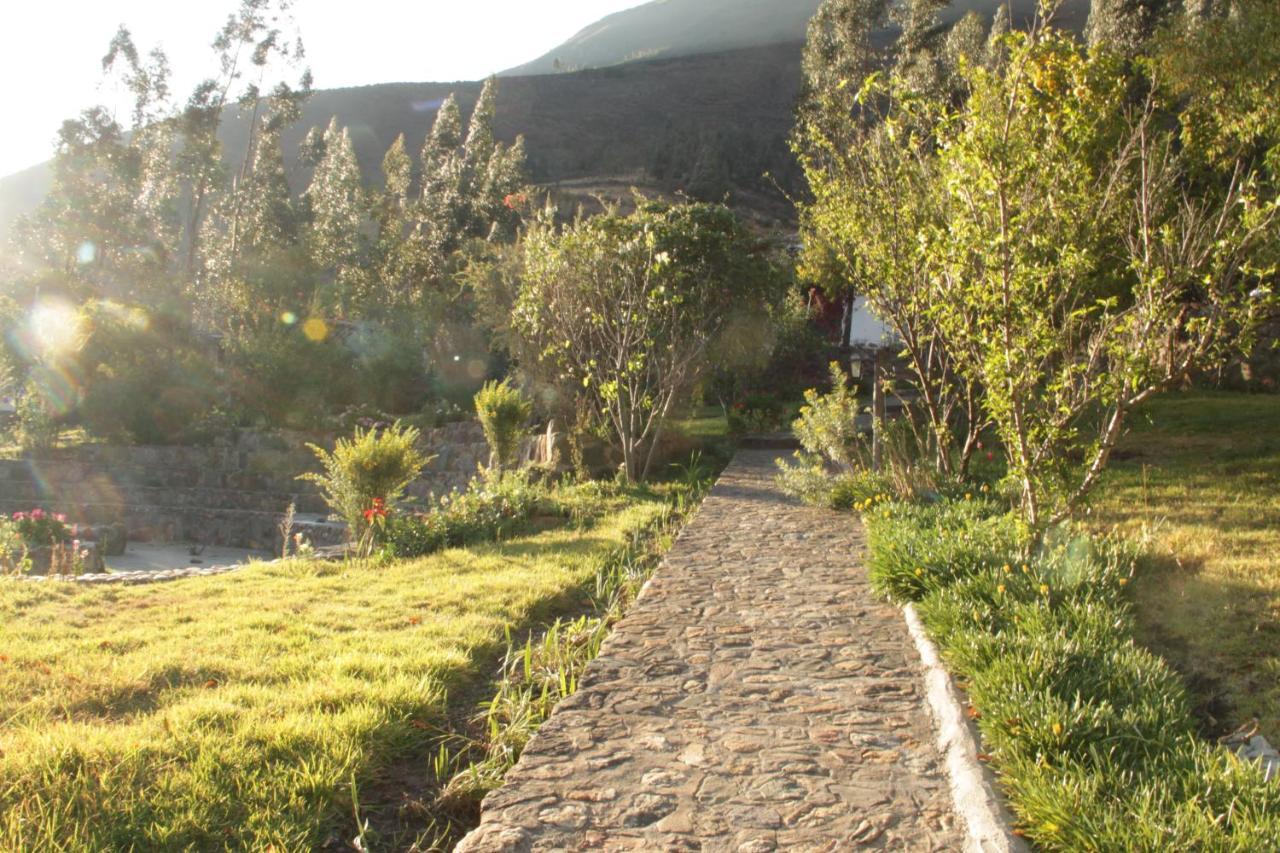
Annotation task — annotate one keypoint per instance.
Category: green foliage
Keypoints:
(144, 380)
(503, 411)
(1086, 314)
(14, 558)
(1092, 735)
(1044, 249)
(756, 411)
(914, 550)
(623, 310)
(37, 424)
(811, 480)
(1224, 69)
(38, 527)
(492, 507)
(828, 424)
(368, 473)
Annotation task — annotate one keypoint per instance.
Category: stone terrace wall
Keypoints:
(221, 495)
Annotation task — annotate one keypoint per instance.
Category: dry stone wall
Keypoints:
(231, 495)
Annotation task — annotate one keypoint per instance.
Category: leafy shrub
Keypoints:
(144, 380)
(503, 411)
(492, 507)
(755, 412)
(37, 426)
(811, 480)
(365, 477)
(38, 527)
(284, 379)
(13, 549)
(827, 425)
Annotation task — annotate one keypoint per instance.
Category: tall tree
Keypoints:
(1126, 25)
(625, 309)
(338, 206)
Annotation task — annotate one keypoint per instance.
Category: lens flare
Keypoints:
(87, 253)
(53, 328)
(315, 329)
(289, 318)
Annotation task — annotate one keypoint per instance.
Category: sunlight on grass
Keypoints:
(1200, 473)
(237, 710)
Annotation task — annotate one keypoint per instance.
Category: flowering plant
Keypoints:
(38, 527)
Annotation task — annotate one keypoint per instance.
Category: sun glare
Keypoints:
(53, 327)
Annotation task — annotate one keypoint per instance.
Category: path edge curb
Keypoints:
(986, 820)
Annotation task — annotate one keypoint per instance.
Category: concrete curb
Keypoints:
(986, 820)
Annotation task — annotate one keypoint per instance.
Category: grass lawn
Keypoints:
(1200, 472)
(261, 709)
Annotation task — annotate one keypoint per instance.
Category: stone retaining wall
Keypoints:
(231, 495)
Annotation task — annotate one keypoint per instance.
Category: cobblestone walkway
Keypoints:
(758, 697)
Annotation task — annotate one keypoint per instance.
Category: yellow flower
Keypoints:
(968, 496)
(1124, 581)
(1007, 568)
(1000, 589)
(1044, 589)
(1057, 728)
(919, 572)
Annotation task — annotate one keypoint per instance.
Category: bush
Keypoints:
(38, 527)
(755, 412)
(36, 423)
(282, 378)
(144, 381)
(13, 549)
(811, 480)
(492, 507)
(503, 411)
(364, 478)
(827, 425)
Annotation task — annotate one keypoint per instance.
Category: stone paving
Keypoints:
(758, 697)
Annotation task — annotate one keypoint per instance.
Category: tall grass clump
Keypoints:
(364, 477)
(503, 411)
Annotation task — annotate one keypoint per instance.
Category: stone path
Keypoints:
(758, 697)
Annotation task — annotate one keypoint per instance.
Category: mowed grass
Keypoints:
(252, 710)
(1200, 474)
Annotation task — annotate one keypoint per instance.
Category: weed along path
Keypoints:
(757, 697)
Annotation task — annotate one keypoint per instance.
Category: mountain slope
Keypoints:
(668, 28)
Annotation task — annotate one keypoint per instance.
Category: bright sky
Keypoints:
(50, 50)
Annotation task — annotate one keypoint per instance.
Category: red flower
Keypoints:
(378, 510)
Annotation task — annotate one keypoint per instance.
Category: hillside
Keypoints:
(668, 28)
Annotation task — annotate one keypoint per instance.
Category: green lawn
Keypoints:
(246, 710)
(1200, 473)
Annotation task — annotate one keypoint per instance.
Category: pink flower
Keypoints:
(37, 514)
(60, 518)
(19, 516)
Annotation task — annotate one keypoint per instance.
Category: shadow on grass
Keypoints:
(398, 798)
